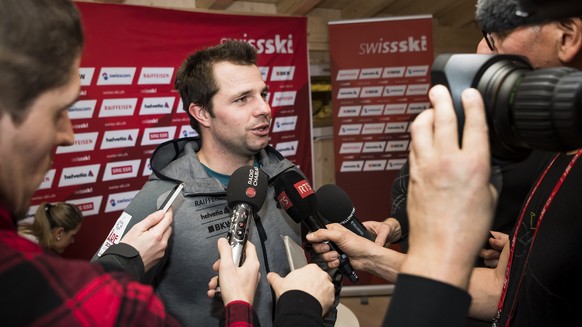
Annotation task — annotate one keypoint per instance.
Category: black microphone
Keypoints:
(246, 193)
(298, 199)
(336, 206)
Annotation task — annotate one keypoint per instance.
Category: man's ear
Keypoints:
(571, 43)
(200, 114)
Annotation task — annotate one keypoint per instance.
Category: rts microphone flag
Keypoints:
(246, 193)
(336, 206)
(298, 199)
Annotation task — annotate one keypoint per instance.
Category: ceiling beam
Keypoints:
(364, 8)
(213, 4)
(296, 7)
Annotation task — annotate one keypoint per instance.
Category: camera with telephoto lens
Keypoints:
(526, 109)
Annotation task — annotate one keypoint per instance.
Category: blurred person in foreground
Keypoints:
(39, 287)
(535, 280)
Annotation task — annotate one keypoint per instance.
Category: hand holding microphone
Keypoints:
(246, 193)
(298, 199)
(336, 206)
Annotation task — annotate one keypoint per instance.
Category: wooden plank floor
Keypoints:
(370, 310)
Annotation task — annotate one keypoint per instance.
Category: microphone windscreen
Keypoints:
(334, 203)
(295, 195)
(247, 184)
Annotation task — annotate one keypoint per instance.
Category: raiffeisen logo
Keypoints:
(117, 107)
(351, 147)
(278, 44)
(411, 44)
(121, 169)
(347, 74)
(286, 98)
(82, 142)
(119, 139)
(79, 175)
(155, 75)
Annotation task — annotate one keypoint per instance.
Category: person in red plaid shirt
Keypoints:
(40, 47)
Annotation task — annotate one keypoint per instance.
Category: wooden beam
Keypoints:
(213, 4)
(364, 8)
(296, 7)
(459, 16)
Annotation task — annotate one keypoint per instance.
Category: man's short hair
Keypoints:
(502, 16)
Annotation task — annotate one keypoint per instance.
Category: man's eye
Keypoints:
(241, 99)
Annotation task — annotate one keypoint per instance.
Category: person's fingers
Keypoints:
(216, 265)
(150, 221)
(446, 135)
(382, 235)
(273, 279)
(475, 131)
(421, 133)
(224, 249)
(164, 223)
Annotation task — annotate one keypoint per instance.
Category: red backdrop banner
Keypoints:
(380, 74)
(128, 106)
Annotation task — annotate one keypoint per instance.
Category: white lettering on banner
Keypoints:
(374, 128)
(374, 165)
(374, 147)
(82, 109)
(373, 110)
(349, 111)
(352, 166)
(351, 147)
(277, 44)
(287, 149)
(393, 72)
(86, 75)
(415, 108)
(395, 164)
(157, 106)
(370, 73)
(116, 232)
(284, 124)
(157, 135)
(395, 109)
(121, 170)
(397, 146)
(348, 93)
(411, 44)
(286, 98)
(119, 139)
(347, 74)
(47, 180)
(155, 75)
(371, 91)
(82, 142)
(79, 175)
(283, 73)
(116, 76)
(417, 89)
(399, 127)
(119, 201)
(350, 129)
(117, 107)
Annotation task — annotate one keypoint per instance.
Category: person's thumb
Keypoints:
(152, 220)
(273, 278)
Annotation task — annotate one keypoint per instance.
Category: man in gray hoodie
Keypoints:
(225, 98)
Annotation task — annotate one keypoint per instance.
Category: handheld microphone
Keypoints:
(298, 199)
(336, 207)
(246, 193)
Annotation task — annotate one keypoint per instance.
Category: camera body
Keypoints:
(525, 108)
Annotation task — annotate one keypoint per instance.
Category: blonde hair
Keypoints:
(49, 216)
